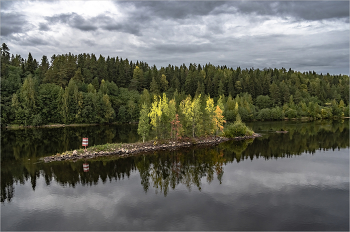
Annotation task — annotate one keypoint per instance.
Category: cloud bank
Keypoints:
(299, 35)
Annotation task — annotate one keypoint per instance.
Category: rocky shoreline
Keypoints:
(137, 148)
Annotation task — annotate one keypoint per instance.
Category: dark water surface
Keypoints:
(293, 181)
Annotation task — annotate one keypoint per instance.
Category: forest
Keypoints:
(84, 88)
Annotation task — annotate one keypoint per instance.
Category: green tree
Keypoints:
(104, 87)
(48, 101)
(163, 83)
(144, 126)
(192, 112)
(78, 77)
(72, 103)
(275, 94)
(238, 87)
(221, 101)
(154, 88)
(95, 83)
(135, 83)
(28, 99)
(108, 111)
(30, 64)
(145, 98)
(5, 59)
(263, 102)
(17, 110)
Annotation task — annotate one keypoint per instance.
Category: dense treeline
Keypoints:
(88, 89)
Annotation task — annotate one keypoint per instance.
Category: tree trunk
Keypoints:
(193, 130)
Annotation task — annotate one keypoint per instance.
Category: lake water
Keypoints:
(293, 181)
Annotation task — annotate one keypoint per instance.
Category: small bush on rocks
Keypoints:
(238, 128)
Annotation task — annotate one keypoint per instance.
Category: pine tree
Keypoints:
(163, 83)
(221, 90)
(275, 94)
(78, 77)
(135, 83)
(30, 64)
(154, 88)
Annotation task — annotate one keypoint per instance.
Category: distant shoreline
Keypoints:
(58, 125)
(120, 123)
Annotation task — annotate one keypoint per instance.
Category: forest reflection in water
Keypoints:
(162, 171)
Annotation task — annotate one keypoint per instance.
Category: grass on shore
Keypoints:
(110, 147)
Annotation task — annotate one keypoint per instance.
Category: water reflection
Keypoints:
(162, 170)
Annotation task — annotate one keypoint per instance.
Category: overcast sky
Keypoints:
(299, 35)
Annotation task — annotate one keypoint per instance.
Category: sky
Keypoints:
(304, 36)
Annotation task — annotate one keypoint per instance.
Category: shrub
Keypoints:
(238, 128)
(264, 114)
(290, 113)
(326, 112)
(276, 113)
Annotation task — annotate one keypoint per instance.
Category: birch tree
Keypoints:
(192, 112)
(144, 126)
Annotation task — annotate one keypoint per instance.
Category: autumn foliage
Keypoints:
(192, 118)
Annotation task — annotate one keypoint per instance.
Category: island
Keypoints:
(129, 149)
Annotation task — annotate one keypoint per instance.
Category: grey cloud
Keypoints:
(64, 18)
(31, 41)
(185, 48)
(131, 25)
(315, 10)
(89, 42)
(300, 10)
(43, 27)
(173, 9)
(331, 60)
(122, 28)
(12, 23)
(74, 20)
(6, 5)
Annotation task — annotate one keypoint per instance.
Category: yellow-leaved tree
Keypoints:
(219, 120)
(155, 114)
(192, 112)
(210, 113)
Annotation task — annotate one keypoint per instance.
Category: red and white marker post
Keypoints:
(86, 167)
(85, 142)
